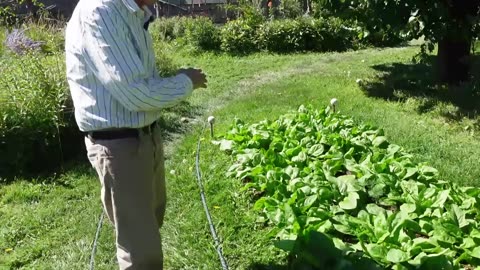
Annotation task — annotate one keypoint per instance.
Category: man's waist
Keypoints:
(120, 133)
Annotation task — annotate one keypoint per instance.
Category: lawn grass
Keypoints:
(50, 225)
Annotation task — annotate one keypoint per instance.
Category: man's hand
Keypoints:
(197, 76)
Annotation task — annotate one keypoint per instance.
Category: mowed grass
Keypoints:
(51, 224)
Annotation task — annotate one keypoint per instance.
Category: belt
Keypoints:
(121, 133)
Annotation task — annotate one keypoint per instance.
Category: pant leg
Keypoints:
(94, 151)
(159, 177)
(126, 169)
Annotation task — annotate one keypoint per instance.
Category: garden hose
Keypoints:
(218, 247)
(95, 241)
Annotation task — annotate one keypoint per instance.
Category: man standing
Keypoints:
(118, 95)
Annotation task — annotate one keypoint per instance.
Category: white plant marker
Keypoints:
(333, 104)
(211, 121)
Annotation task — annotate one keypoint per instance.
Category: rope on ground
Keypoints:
(95, 241)
(218, 247)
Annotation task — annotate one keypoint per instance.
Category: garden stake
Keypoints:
(211, 121)
(333, 103)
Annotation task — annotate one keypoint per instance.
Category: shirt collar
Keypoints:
(148, 12)
(131, 5)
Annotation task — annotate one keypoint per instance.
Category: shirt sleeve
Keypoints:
(113, 59)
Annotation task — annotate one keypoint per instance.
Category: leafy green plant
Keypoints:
(291, 8)
(202, 34)
(321, 172)
(9, 10)
(162, 29)
(37, 125)
(239, 36)
(282, 36)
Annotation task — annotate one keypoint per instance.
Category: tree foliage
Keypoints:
(452, 24)
(410, 19)
(10, 9)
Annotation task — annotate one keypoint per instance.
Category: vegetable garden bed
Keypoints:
(340, 196)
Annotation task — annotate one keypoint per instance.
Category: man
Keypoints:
(117, 95)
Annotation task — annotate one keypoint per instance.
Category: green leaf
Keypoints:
(316, 150)
(459, 216)
(441, 198)
(300, 158)
(226, 145)
(286, 245)
(347, 183)
(475, 233)
(436, 262)
(350, 202)
(397, 256)
(310, 200)
(378, 252)
(377, 191)
(428, 171)
(380, 142)
(343, 229)
(475, 252)
(410, 172)
(468, 243)
(341, 245)
(375, 210)
(408, 208)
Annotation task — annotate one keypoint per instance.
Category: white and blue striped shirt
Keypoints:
(111, 67)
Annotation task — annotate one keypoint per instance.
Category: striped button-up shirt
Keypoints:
(111, 68)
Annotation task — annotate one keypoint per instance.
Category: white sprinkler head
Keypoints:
(333, 102)
(211, 119)
(358, 81)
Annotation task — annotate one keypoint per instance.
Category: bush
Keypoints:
(164, 57)
(52, 37)
(239, 36)
(167, 29)
(202, 34)
(3, 34)
(281, 36)
(307, 34)
(35, 111)
(337, 34)
(162, 29)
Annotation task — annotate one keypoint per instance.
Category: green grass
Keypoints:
(51, 225)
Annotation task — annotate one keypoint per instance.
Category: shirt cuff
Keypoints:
(188, 83)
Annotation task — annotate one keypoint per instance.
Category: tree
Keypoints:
(10, 9)
(451, 24)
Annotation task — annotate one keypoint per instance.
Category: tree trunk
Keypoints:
(453, 59)
(455, 47)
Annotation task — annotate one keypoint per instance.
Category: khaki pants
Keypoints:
(132, 176)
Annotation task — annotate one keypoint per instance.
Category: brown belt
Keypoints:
(121, 133)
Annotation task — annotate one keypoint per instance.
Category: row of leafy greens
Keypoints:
(340, 196)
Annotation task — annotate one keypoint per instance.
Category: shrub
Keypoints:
(3, 34)
(35, 119)
(282, 36)
(51, 35)
(307, 34)
(336, 35)
(167, 29)
(202, 34)
(239, 36)
(165, 61)
(291, 8)
(162, 29)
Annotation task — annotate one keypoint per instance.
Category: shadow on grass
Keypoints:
(175, 120)
(400, 82)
